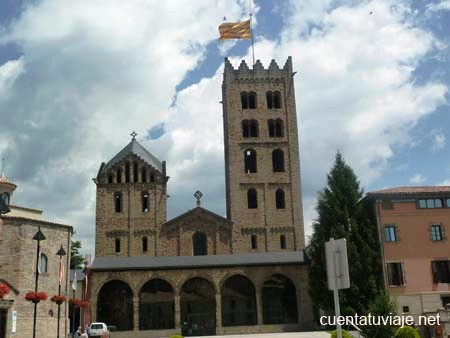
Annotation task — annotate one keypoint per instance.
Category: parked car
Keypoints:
(99, 330)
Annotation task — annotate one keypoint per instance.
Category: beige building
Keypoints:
(201, 273)
(18, 252)
(413, 223)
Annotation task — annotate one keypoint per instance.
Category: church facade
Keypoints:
(200, 273)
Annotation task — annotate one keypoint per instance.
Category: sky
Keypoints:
(77, 77)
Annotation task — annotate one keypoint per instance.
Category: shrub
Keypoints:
(345, 334)
(406, 332)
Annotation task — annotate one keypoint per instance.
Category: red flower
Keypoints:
(4, 290)
(36, 297)
(58, 299)
(75, 301)
(84, 304)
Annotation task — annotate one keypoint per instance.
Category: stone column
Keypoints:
(177, 313)
(259, 308)
(135, 313)
(218, 313)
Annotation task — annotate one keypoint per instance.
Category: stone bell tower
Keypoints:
(131, 203)
(262, 165)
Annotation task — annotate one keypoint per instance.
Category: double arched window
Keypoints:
(248, 100)
(250, 128)
(278, 160)
(273, 100)
(275, 128)
(250, 161)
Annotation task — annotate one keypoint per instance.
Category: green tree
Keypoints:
(382, 306)
(76, 259)
(406, 332)
(342, 213)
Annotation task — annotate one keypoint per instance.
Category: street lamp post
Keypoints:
(38, 237)
(60, 253)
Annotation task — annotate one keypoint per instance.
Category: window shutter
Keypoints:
(403, 276)
(389, 273)
(434, 272)
(397, 233)
(430, 232)
(444, 237)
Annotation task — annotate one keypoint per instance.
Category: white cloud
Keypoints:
(443, 5)
(438, 139)
(417, 179)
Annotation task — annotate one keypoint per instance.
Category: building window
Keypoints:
(127, 172)
(244, 100)
(254, 242)
(248, 100)
(250, 161)
(445, 301)
(43, 266)
(152, 177)
(275, 127)
(430, 203)
(118, 201)
(278, 160)
(200, 244)
(119, 176)
(250, 128)
(405, 309)
(273, 100)
(395, 274)
(279, 199)
(436, 232)
(110, 178)
(5, 197)
(441, 271)
(390, 233)
(252, 198)
(283, 242)
(117, 245)
(144, 175)
(144, 244)
(135, 172)
(145, 201)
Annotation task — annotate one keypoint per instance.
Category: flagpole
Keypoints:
(251, 29)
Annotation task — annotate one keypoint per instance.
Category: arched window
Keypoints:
(278, 160)
(252, 198)
(127, 172)
(156, 306)
(118, 201)
(283, 242)
(277, 100)
(115, 305)
(198, 308)
(269, 98)
(250, 161)
(110, 178)
(251, 100)
(275, 128)
(254, 128)
(119, 176)
(135, 172)
(117, 245)
(145, 201)
(43, 266)
(144, 175)
(144, 244)
(245, 128)
(200, 244)
(238, 302)
(279, 199)
(244, 100)
(5, 197)
(152, 177)
(279, 298)
(254, 242)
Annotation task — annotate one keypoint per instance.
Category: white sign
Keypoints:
(14, 320)
(337, 264)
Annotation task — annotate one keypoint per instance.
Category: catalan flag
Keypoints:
(235, 30)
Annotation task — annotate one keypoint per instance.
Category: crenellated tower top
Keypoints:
(244, 72)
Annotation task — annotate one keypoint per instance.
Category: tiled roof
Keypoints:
(134, 147)
(411, 190)
(210, 261)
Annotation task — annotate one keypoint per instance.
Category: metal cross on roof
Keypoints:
(198, 195)
(133, 135)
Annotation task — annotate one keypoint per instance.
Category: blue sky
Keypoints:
(77, 77)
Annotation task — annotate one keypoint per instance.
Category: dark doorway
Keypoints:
(115, 305)
(279, 298)
(238, 302)
(156, 306)
(198, 308)
(3, 316)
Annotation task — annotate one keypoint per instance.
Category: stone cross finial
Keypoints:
(198, 195)
(133, 135)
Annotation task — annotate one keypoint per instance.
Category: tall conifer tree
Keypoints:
(342, 213)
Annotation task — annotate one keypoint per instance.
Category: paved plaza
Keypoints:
(317, 334)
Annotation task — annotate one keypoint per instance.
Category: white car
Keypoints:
(98, 330)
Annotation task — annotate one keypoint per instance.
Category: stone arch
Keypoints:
(156, 305)
(238, 300)
(279, 300)
(197, 275)
(115, 304)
